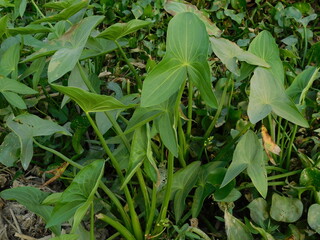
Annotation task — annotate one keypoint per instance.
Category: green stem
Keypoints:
(288, 174)
(118, 226)
(134, 217)
(144, 191)
(182, 145)
(305, 45)
(250, 185)
(109, 193)
(152, 210)
(139, 82)
(166, 200)
(190, 102)
(292, 137)
(92, 222)
(41, 14)
(114, 236)
(222, 100)
(199, 232)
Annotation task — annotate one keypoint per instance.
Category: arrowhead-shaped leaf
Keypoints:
(249, 155)
(91, 102)
(265, 47)
(229, 52)
(185, 57)
(27, 126)
(120, 30)
(266, 95)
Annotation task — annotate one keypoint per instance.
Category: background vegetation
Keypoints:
(160, 119)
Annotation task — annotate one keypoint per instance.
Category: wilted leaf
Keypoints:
(269, 145)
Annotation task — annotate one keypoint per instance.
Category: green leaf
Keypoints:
(184, 58)
(265, 47)
(65, 13)
(11, 85)
(215, 179)
(229, 52)
(310, 177)
(263, 233)
(66, 58)
(284, 209)
(183, 182)
(249, 155)
(314, 217)
(60, 5)
(138, 153)
(31, 198)
(29, 29)
(3, 24)
(266, 95)
(99, 46)
(259, 211)
(66, 237)
(175, 8)
(14, 99)
(235, 229)
(119, 30)
(302, 83)
(9, 60)
(91, 102)
(27, 126)
(9, 150)
(76, 199)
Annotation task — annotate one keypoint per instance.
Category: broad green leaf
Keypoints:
(174, 8)
(6, 3)
(29, 29)
(119, 30)
(235, 229)
(9, 60)
(310, 177)
(9, 150)
(265, 47)
(52, 198)
(262, 232)
(66, 58)
(268, 95)
(249, 155)
(27, 126)
(184, 58)
(183, 182)
(11, 85)
(31, 198)
(60, 5)
(91, 102)
(164, 124)
(99, 46)
(302, 83)
(3, 24)
(229, 52)
(66, 237)
(314, 217)
(65, 13)
(138, 153)
(76, 199)
(259, 211)
(284, 209)
(14, 99)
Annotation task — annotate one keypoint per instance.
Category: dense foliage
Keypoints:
(164, 119)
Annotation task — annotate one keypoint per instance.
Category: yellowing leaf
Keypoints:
(269, 145)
